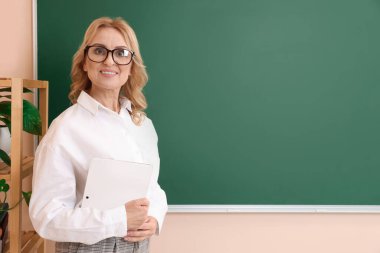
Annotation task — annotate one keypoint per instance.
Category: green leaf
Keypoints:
(5, 109)
(5, 157)
(4, 187)
(2, 182)
(27, 196)
(31, 116)
(32, 120)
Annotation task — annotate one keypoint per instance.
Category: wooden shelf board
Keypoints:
(34, 242)
(27, 168)
(35, 84)
(29, 240)
(7, 82)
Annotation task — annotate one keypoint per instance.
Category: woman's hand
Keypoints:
(145, 231)
(137, 213)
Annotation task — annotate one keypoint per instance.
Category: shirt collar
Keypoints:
(91, 105)
(126, 103)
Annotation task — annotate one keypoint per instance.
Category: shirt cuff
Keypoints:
(118, 215)
(159, 218)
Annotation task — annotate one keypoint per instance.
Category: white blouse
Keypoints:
(84, 131)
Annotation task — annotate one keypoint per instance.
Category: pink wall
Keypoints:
(16, 60)
(269, 233)
(16, 53)
(205, 233)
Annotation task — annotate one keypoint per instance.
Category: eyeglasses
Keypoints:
(120, 56)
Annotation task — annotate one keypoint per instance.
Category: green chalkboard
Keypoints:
(254, 101)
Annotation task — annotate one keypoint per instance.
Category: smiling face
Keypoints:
(107, 75)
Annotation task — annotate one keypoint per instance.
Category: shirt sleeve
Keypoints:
(158, 205)
(53, 209)
(157, 197)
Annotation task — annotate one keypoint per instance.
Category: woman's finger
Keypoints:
(146, 226)
(134, 239)
(139, 233)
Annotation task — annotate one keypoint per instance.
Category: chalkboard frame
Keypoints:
(311, 208)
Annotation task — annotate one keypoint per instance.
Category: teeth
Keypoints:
(108, 72)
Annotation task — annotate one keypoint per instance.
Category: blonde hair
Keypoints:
(138, 78)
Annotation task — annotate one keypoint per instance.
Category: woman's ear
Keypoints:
(85, 66)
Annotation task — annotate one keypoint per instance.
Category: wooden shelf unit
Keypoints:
(27, 169)
(22, 166)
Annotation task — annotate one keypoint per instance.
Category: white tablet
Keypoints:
(111, 183)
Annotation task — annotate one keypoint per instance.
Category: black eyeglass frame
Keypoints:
(108, 51)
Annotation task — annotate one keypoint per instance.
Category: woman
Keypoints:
(106, 120)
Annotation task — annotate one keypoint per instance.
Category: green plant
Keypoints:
(31, 124)
(31, 118)
(4, 187)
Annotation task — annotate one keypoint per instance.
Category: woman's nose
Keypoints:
(109, 60)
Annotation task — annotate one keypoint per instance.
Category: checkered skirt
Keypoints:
(112, 244)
